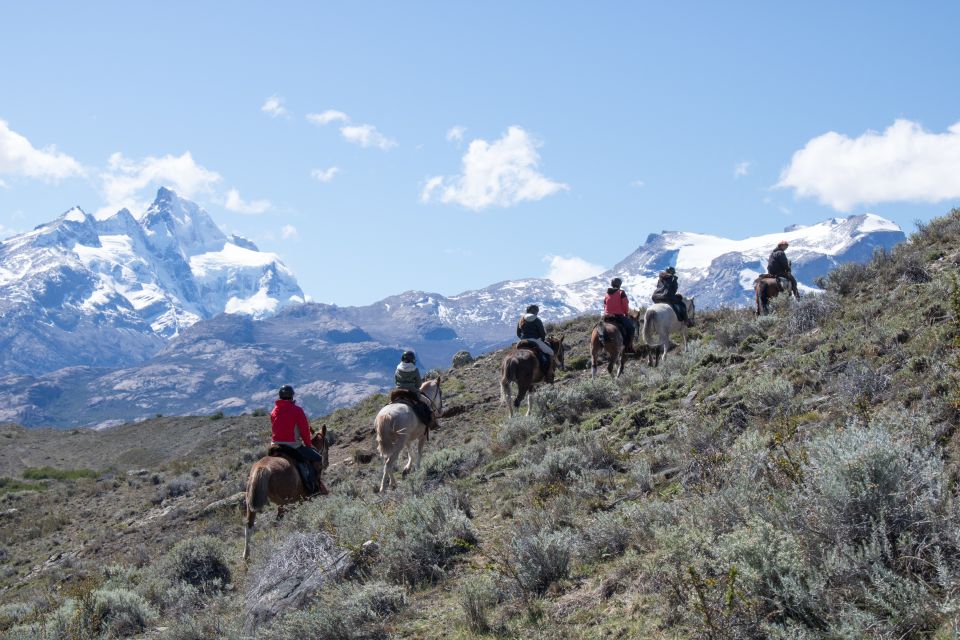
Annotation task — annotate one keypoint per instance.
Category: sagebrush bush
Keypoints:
(573, 400)
(518, 429)
(476, 596)
(606, 534)
(769, 395)
(421, 536)
(846, 278)
(539, 559)
(861, 384)
(199, 561)
(451, 462)
(181, 485)
(293, 553)
(734, 327)
(350, 611)
(810, 312)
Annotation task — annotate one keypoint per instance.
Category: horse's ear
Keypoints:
(438, 379)
(323, 432)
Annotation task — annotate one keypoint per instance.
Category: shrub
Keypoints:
(45, 473)
(517, 429)
(200, 562)
(575, 399)
(606, 534)
(119, 613)
(451, 462)
(846, 278)
(810, 312)
(290, 555)
(347, 612)
(540, 559)
(477, 596)
(422, 535)
(769, 396)
(181, 485)
(861, 384)
(734, 328)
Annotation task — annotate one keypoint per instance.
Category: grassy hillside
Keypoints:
(792, 476)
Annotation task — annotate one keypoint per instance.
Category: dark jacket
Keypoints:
(530, 327)
(778, 265)
(666, 289)
(407, 376)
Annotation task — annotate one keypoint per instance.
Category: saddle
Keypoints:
(782, 282)
(422, 410)
(543, 358)
(619, 322)
(303, 466)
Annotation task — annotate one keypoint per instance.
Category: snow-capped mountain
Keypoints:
(110, 292)
(124, 306)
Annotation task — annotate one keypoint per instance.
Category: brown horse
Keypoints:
(277, 480)
(523, 367)
(606, 336)
(766, 288)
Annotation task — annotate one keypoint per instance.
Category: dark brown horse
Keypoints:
(606, 336)
(523, 367)
(766, 288)
(276, 479)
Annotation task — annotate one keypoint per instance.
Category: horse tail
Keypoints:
(378, 427)
(648, 325)
(257, 486)
(756, 290)
(509, 375)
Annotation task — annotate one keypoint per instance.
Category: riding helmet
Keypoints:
(616, 282)
(408, 356)
(286, 392)
(534, 309)
(671, 270)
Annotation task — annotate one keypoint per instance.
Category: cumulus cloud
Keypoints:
(567, 270)
(19, 157)
(125, 179)
(274, 108)
(638, 183)
(237, 204)
(741, 169)
(904, 163)
(502, 173)
(455, 134)
(324, 175)
(366, 135)
(328, 116)
(289, 232)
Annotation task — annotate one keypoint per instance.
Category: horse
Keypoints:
(606, 336)
(659, 321)
(398, 427)
(766, 288)
(523, 367)
(276, 479)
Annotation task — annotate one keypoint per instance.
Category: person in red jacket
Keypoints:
(616, 306)
(291, 430)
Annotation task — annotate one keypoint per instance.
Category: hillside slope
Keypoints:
(792, 476)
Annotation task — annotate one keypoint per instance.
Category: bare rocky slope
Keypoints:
(792, 476)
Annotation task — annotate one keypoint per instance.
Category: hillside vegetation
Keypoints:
(790, 476)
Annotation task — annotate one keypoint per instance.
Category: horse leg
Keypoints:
(406, 467)
(279, 513)
(529, 402)
(505, 396)
(593, 362)
(521, 392)
(248, 533)
(623, 362)
(387, 480)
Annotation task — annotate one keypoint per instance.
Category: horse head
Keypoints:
(432, 392)
(558, 350)
(321, 444)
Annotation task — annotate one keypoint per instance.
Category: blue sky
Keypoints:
(453, 145)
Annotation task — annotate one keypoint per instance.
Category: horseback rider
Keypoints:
(530, 327)
(779, 266)
(666, 293)
(407, 376)
(616, 306)
(291, 433)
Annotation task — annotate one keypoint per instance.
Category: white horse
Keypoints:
(398, 427)
(659, 322)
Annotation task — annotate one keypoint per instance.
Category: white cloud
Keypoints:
(455, 134)
(567, 270)
(19, 157)
(6, 232)
(502, 173)
(274, 107)
(125, 179)
(366, 135)
(904, 163)
(236, 204)
(324, 175)
(638, 184)
(328, 116)
(4, 185)
(289, 232)
(741, 169)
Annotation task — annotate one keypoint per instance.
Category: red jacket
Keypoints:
(616, 303)
(289, 421)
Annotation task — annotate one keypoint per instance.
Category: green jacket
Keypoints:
(407, 376)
